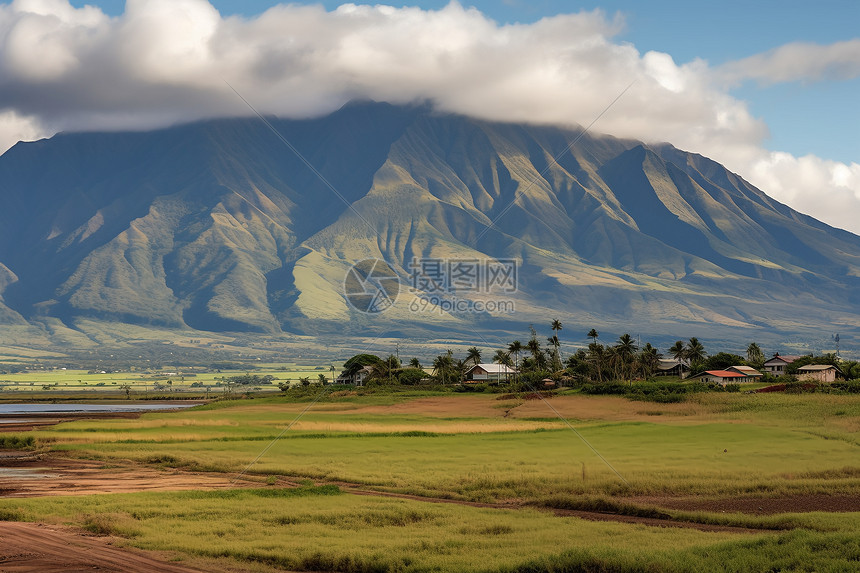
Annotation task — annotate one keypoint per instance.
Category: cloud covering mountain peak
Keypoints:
(167, 61)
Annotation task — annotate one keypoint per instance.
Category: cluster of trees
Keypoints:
(623, 360)
(250, 379)
(386, 371)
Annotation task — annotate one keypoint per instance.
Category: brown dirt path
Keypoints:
(38, 476)
(589, 515)
(759, 505)
(36, 548)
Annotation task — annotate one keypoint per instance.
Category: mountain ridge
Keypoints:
(218, 226)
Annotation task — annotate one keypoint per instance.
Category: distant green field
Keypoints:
(142, 384)
(485, 448)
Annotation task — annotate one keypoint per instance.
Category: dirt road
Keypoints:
(36, 548)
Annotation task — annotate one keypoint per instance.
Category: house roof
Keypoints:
(787, 359)
(816, 367)
(668, 364)
(748, 370)
(493, 368)
(723, 374)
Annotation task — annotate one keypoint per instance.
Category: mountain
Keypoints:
(220, 226)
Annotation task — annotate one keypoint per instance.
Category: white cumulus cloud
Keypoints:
(168, 61)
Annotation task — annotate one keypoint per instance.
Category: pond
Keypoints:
(19, 409)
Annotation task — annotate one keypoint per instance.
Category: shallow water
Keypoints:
(73, 408)
(27, 473)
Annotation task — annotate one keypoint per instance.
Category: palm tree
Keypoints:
(541, 363)
(460, 369)
(695, 351)
(381, 370)
(613, 361)
(473, 355)
(678, 351)
(443, 364)
(533, 344)
(556, 357)
(537, 356)
(593, 335)
(755, 354)
(415, 363)
(626, 348)
(596, 358)
(649, 359)
(515, 348)
(503, 358)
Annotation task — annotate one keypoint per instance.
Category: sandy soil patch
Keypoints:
(34, 476)
(37, 548)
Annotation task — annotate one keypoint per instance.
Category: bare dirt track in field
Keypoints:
(39, 476)
(759, 505)
(37, 548)
(589, 515)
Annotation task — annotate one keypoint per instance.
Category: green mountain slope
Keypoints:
(220, 226)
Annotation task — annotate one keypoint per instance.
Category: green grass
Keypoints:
(736, 445)
(465, 447)
(317, 529)
(320, 529)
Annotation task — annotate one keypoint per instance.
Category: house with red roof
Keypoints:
(747, 371)
(722, 377)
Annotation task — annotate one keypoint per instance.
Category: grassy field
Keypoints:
(480, 448)
(145, 384)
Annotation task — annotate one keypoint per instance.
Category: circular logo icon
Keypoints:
(371, 286)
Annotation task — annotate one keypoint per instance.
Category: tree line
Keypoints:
(535, 360)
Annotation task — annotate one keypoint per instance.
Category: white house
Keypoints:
(489, 373)
(777, 364)
(358, 378)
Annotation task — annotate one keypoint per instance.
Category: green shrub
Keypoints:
(16, 442)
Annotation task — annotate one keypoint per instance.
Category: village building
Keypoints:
(747, 371)
(490, 373)
(818, 373)
(721, 377)
(666, 367)
(357, 379)
(777, 364)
